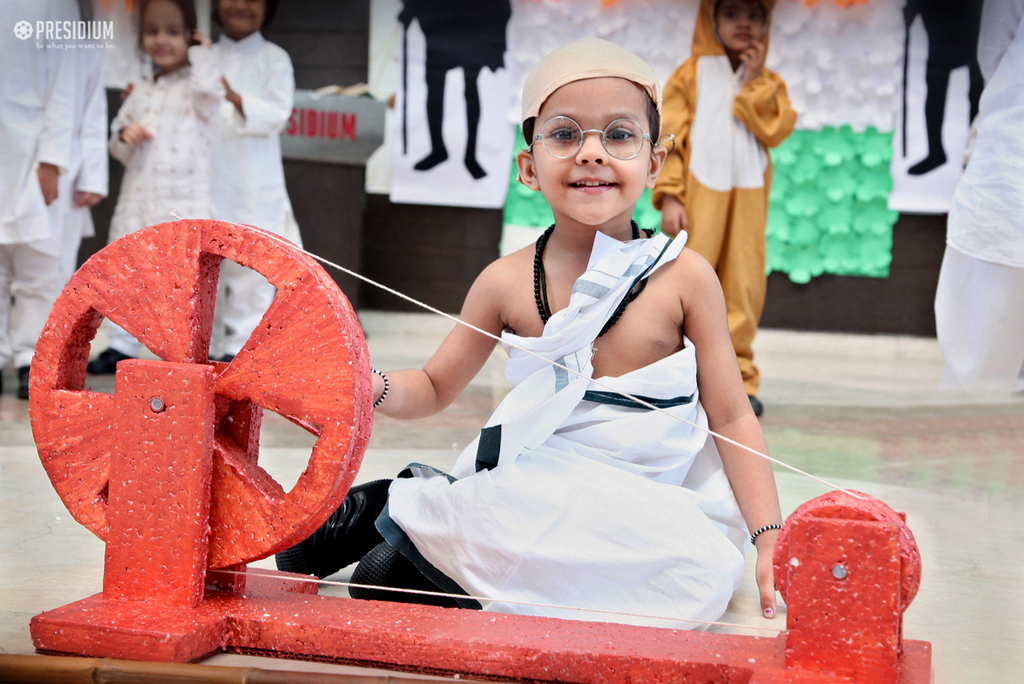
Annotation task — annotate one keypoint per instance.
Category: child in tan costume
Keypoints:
(725, 109)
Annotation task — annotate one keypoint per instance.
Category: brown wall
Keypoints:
(430, 253)
(434, 253)
(901, 304)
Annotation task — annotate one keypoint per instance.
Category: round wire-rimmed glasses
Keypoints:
(562, 137)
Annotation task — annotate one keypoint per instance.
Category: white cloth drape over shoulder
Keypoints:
(574, 497)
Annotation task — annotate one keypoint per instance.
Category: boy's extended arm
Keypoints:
(421, 393)
(725, 400)
(764, 108)
(677, 112)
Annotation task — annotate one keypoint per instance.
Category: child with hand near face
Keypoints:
(248, 174)
(574, 496)
(725, 109)
(163, 134)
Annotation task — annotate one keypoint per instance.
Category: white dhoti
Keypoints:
(980, 329)
(576, 498)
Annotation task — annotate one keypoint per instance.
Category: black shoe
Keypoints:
(106, 362)
(23, 382)
(347, 536)
(226, 358)
(383, 566)
(756, 404)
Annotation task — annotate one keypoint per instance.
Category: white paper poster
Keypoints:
(450, 133)
(943, 87)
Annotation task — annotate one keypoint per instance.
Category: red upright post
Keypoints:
(848, 568)
(158, 508)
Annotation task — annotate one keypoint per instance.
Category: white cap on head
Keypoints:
(580, 60)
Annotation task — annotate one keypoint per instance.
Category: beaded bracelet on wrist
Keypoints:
(387, 386)
(776, 526)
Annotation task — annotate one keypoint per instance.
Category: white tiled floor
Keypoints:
(861, 411)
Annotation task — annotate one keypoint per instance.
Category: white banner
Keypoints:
(450, 134)
(927, 167)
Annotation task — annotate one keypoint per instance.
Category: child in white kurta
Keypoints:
(36, 121)
(248, 174)
(575, 496)
(169, 171)
(979, 316)
(85, 182)
(88, 176)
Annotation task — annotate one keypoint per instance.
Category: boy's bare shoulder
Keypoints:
(690, 266)
(693, 275)
(505, 287)
(509, 269)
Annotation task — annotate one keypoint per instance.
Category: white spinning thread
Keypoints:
(440, 594)
(596, 381)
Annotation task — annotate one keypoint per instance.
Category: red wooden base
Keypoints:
(275, 618)
(185, 495)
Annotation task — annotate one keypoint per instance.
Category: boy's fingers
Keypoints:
(768, 604)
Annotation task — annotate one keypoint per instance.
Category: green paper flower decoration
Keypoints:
(827, 210)
(835, 182)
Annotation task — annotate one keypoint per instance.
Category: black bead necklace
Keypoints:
(540, 285)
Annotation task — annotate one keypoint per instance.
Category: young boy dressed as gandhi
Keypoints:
(574, 496)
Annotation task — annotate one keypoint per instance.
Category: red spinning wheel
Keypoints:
(307, 361)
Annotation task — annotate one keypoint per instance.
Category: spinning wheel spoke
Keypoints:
(165, 298)
(76, 451)
(293, 365)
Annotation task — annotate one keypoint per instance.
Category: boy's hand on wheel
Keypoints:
(673, 216)
(764, 572)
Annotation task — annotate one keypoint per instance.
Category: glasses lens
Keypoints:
(561, 137)
(623, 139)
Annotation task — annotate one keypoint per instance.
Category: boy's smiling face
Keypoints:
(591, 187)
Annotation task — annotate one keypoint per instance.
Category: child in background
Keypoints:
(248, 175)
(163, 134)
(36, 121)
(574, 495)
(725, 109)
(87, 182)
